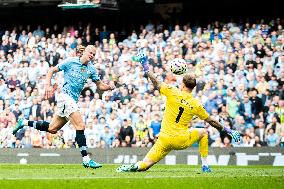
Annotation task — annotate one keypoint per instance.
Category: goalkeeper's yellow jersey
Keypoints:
(181, 106)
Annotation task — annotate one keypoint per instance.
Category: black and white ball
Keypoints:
(178, 66)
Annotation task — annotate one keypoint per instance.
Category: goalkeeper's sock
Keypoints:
(141, 165)
(39, 125)
(204, 161)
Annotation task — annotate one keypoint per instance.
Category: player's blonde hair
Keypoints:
(90, 48)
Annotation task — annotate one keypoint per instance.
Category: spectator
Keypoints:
(256, 104)
(258, 142)
(245, 109)
(260, 130)
(126, 130)
(155, 126)
(272, 139)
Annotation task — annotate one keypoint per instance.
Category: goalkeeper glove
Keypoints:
(234, 134)
(143, 59)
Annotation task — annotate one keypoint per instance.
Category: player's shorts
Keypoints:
(65, 105)
(167, 143)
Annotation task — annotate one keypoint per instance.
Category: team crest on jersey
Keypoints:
(83, 69)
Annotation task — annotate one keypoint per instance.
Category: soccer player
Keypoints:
(181, 106)
(76, 72)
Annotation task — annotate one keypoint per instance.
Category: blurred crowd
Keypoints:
(239, 69)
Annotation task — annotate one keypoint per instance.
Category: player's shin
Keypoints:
(203, 149)
(81, 141)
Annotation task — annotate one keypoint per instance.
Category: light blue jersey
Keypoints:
(76, 75)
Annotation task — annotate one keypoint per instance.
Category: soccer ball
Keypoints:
(178, 66)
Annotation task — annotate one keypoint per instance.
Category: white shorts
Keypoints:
(65, 105)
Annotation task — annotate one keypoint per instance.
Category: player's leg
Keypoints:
(56, 124)
(200, 135)
(77, 121)
(156, 153)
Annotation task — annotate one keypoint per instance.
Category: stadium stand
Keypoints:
(239, 69)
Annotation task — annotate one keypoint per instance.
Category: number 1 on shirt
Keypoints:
(181, 109)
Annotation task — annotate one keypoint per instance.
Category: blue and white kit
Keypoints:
(75, 77)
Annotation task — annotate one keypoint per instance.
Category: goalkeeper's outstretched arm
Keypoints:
(216, 124)
(143, 59)
(156, 83)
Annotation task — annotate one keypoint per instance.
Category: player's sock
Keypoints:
(203, 149)
(86, 159)
(26, 122)
(39, 125)
(81, 141)
(142, 166)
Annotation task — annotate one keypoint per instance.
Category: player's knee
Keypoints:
(203, 132)
(81, 127)
(52, 131)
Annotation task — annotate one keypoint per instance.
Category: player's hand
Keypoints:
(111, 86)
(48, 91)
(143, 59)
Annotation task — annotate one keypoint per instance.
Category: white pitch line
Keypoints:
(145, 177)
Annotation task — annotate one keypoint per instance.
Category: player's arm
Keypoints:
(103, 86)
(156, 83)
(48, 87)
(216, 124)
(202, 114)
(143, 59)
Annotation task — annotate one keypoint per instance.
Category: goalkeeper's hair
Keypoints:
(189, 81)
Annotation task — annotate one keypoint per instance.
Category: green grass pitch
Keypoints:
(160, 176)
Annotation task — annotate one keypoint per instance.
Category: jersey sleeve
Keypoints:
(201, 112)
(63, 66)
(95, 77)
(166, 89)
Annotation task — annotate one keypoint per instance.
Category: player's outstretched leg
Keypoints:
(203, 149)
(156, 153)
(39, 125)
(56, 124)
(139, 166)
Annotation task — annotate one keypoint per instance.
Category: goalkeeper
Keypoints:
(181, 106)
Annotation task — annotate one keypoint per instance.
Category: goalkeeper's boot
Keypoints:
(206, 169)
(91, 164)
(19, 126)
(127, 168)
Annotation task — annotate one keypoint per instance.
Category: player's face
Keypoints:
(89, 53)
